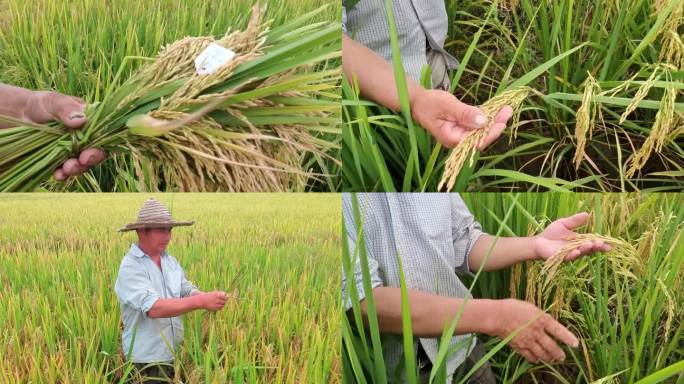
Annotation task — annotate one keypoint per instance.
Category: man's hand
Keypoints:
(41, 107)
(537, 331)
(449, 120)
(555, 236)
(213, 301)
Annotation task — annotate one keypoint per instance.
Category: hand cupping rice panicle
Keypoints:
(465, 150)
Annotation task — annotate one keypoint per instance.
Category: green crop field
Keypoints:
(605, 110)
(625, 307)
(276, 128)
(60, 254)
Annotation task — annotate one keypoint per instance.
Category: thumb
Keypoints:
(68, 110)
(575, 221)
(466, 115)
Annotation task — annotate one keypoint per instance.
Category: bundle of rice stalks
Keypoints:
(466, 149)
(253, 110)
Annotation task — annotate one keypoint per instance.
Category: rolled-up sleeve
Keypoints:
(187, 287)
(357, 273)
(134, 289)
(465, 230)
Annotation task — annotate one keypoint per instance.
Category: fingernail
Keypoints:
(480, 120)
(76, 115)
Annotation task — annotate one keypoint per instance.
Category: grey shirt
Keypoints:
(422, 27)
(432, 233)
(139, 285)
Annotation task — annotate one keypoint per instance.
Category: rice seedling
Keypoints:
(60, 317)
(625, 305)
(608, 81)
(263, 120)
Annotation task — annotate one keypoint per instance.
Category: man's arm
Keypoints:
(439, 112)
(507, 251)
(212, 301)
(431, 314)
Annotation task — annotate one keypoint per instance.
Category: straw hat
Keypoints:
(154, 214)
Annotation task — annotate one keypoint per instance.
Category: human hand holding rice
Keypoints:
(39, 107)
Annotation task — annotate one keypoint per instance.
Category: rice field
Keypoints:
(267, 121)
(605, 111)
(59, 315)
(626, 306)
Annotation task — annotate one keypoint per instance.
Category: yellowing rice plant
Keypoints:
(262, 117)
(60, 318)
(625, 306)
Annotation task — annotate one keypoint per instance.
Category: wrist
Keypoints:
(534, 247)
(416, 93)
(198, 301)
(490, 312)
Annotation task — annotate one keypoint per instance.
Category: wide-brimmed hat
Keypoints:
(154, 214)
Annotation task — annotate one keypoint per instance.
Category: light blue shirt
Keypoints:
(139, 285)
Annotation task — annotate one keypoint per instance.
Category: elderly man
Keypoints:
(436, 237)
(40, 107)
(154, 292)
(422, 27)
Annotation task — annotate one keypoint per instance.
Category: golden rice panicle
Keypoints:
(622, 253)
(665, 122)
(640, 95)
(585, 118)
(672, 47)
(466, 149)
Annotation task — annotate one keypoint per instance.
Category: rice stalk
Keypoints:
(585, 117)
(466, 149)
(665, 122)
(246, 126)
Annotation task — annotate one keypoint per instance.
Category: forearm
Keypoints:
(374, 74)
(174, 307)
(506, 252)
(430, 313)
(13, 104)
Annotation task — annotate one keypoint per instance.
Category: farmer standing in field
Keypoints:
(422, 28)
(437, 238)
(154, 293)
(38, 107)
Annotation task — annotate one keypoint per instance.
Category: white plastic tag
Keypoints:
(212, 58)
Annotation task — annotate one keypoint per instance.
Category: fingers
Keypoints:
(450, 135)
(539, 353)
(91, 157)
(575, 221)
(588, 248)
(551, 348)
(77, 166)
(493, 134)
(505, 113)
(561, 333)
(465, 115)
(67, 109)
(529, 356)
(72, 167)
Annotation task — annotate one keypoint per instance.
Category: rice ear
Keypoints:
(466, 149)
